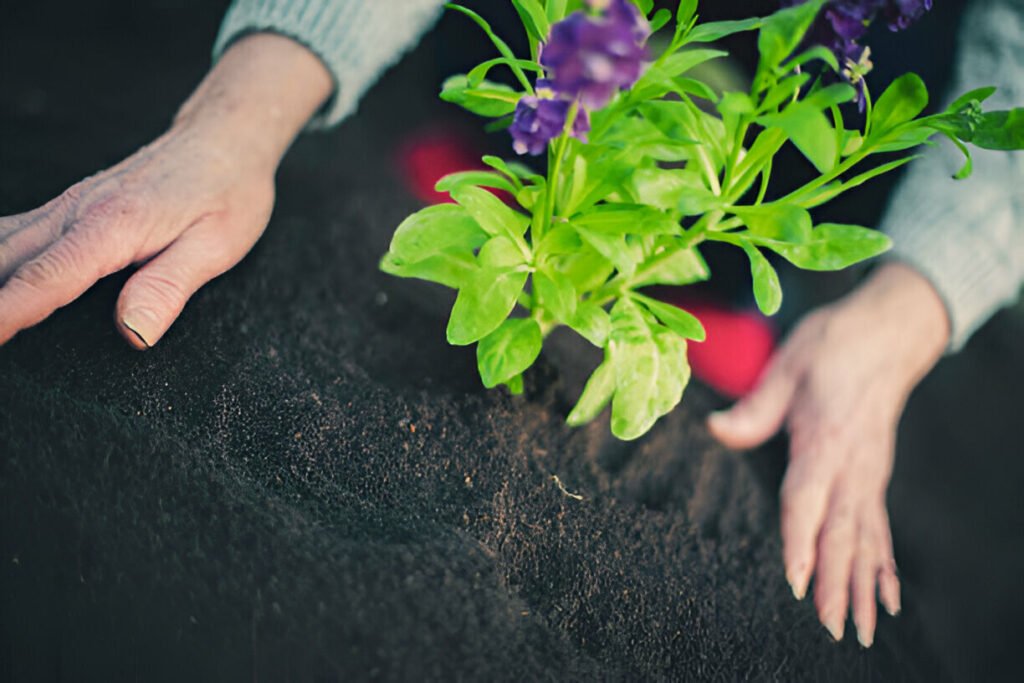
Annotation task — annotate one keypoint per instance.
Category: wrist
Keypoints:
(257, 98)
(899, 310)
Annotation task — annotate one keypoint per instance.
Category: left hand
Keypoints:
(839, 384)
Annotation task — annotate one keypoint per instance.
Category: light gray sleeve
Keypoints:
(356, 39)
(967, 236)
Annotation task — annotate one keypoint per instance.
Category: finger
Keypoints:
(56, 209)
(862, 587)
(804, 502)
(154, 297)
(836, 544)
(27, 243)
(754, 419)
(57, 277)
(888, 581)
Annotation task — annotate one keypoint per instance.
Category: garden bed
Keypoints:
(304, 482)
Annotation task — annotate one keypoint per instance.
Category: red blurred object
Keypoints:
(738, 347)
(428, 156)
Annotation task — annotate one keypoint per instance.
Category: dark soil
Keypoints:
(304, 482)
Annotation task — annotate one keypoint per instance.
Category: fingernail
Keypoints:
(835, 628)
(865, 640)
(893, 612)
(798, 585)
(143, 324)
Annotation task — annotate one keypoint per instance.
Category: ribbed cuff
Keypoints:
(967, 236)
(357, 40)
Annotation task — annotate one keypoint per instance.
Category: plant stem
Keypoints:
(839, 170)
(555, 170)
(734, 156)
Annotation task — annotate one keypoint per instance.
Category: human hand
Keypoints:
(839, 385)
(189, 206)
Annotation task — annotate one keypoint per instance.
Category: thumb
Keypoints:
(155, 295)
(759, 415)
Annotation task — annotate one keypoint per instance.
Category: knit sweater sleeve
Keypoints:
(967, 237)
(356, 39)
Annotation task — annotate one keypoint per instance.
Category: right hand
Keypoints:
(188, 206)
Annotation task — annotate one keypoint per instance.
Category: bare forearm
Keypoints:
(258, 97)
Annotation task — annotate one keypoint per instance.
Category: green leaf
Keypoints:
(477, 75)
(675, 374)
(716, 30)
(515, 385)
(587, 268)
(493, 215)
(660, 18)
(735, 104)
(816, 52)
(596, 395)
(676, 319)
(556, 10)
(592, 323)
(500, 252)
(622, 219)
(503, 48)
(833, 190)
(488, 99)
(562, 239)
(476, 179)
(832, 95)
(687, 9)
(631, 139)
(681, 267)
(684, 60)
(904, 99)
(483, 304)
(534, 18)
(760, 154)
(508, 351)
(832, 246)
(451, 269)
(575, 190)
(650, 371)
(767, 290)
(663, 188)
(783, 31)
(433, 230)
(809, 130)
(906, 136)
(691, 86)
(785, 222)
(515, 171)
(1000, 130)
(978, 95)
(555, 293)
(614, 248)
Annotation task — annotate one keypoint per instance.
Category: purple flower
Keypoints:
(902, 13)
(591, 57)
(540, 119)
(844, 22)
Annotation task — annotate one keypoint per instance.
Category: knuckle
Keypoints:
(46, 269)
(837, 522)
(118, 208)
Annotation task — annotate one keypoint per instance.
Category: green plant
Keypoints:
(644, 164)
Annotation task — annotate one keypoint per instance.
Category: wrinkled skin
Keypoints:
(188, 207)
(839, 385)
